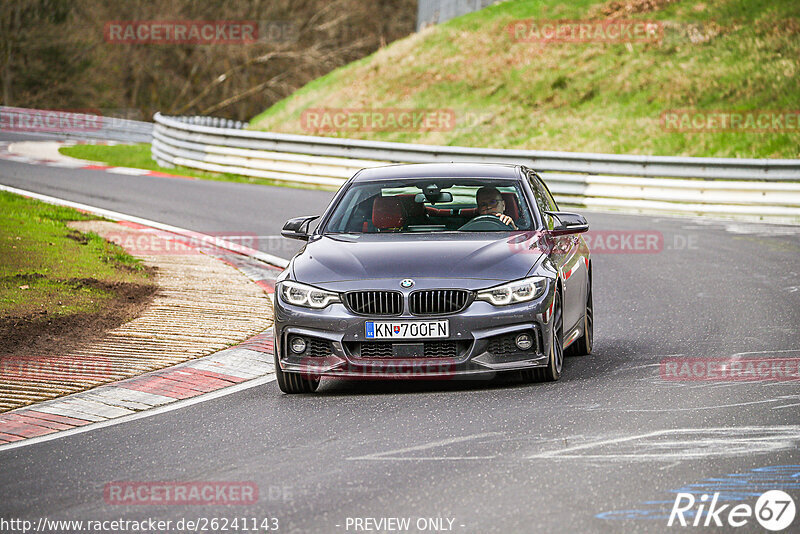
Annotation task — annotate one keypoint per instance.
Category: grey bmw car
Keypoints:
(434, 271)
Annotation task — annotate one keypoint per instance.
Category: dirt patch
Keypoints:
(38, 333)
(77, 236)
(624, 8)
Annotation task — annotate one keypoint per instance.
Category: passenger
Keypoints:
(490, 202)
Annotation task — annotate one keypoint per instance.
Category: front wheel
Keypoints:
(294, 382)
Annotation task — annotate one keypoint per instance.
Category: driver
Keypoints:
(490, 202)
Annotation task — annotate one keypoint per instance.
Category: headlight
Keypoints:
(514, 292)
(310, 297)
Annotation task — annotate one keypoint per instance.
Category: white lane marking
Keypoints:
(116, 216)
(65, 164)
(671, 446)
(613, 441)
(392, 455)
(766, 352)
(786, 406)
(44, 151)
(771, 383)
(714, 407)
(765, 230)
(670, 466)
(697, 443)
(142, 415)
(427, 458)
(128, 170)
(645, 366)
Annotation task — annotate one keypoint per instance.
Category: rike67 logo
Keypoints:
(774, 510)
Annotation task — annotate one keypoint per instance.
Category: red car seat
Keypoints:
(388, 213)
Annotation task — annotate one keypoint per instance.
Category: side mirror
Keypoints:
(297, 228)
(568, 223)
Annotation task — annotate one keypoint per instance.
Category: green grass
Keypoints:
(585, 97)
(138, 156)
(50, 270)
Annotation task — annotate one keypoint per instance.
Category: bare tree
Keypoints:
(54, 54)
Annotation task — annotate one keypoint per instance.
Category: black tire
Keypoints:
(294, 382)
(583, 345)
(552, 372)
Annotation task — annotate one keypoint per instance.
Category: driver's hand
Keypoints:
(506, 220)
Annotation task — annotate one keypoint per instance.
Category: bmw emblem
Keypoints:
(408, 282)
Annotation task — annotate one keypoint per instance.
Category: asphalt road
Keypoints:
(229, 209)
(605, 449)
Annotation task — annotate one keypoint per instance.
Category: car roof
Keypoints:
(439, 170)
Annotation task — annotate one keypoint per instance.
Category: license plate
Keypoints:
(407, 329)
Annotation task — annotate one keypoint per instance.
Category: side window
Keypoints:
(544, 201)
(547, 195)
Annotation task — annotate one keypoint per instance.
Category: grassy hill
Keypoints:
(713, 55)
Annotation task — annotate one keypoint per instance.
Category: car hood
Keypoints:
(480, 256)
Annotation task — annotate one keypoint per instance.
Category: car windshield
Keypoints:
(431, 205)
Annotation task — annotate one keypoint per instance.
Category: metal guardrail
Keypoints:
(214, 122)
(545, 161)
(65, 124)
(753, 188)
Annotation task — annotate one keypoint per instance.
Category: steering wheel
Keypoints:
(484, 223)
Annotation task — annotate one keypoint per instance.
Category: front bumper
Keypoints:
(473, 332)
